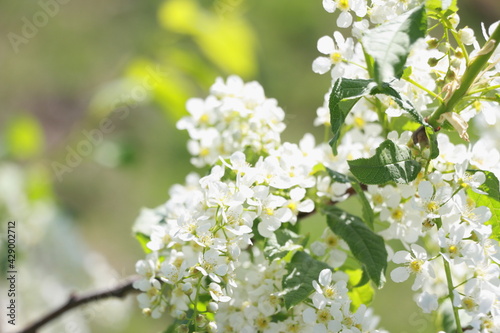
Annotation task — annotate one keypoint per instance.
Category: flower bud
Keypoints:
(444, 47)
(459, 54)
(466, 35)
(212, 327)
(183, 328)
(187, 288)
(455, 62)
(212, 307)
(179, 314)
(432, 62)
(201, 320)
(432, 43)
(454, 20)
(451, 75)
(147, 312)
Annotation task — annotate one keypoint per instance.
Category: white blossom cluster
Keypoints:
(236, 116)
(206, 265)
(435, 210)
(200, 238)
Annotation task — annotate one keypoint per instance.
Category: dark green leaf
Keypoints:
(302, 271)
(345, 94)
(402, 101)
(368, 215)
(390, 43)
(366, 246)
(281, 243)
(433, 143)
(448, 321)
(338, 177)
(390, 163)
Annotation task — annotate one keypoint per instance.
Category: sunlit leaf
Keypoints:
(24, 136)
(390, 43)
(391, 162)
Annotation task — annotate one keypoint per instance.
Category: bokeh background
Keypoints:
(116, 74)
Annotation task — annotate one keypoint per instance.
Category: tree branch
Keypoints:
(120, 290)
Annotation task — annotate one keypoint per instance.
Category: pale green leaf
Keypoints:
(390, 43)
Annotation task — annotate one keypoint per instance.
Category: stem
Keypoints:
(74, 301)
(382, 117)
(468, 79)
(195, 308)
(451, 295)
(485, 89)
(418, 85)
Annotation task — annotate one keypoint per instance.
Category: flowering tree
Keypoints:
(229, 251)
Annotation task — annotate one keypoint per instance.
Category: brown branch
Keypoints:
(120, 290)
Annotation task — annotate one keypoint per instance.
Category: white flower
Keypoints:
(147, 269)
(427, 302)
(296, 203)
(217, 294)
(337, 51)
(433, 202)
(452, 243)
(467, 180)
(270, 210)
(345, 6)
(415, 263)
(212, 264)
(328, 292)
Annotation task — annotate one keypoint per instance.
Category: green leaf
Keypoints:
(366, 246)
(433, 143)
(365, 278)
(362, 292)
(390, 43)
(491, 200)
(494, 206)
(338, 177)
(391, 162)
(490, 185)
(345, 94)
(403, 102)
(441, 5)
(143, 241)
(368, 215)
(302, 271)
(448, 321)
(281, 243)
(24, 136)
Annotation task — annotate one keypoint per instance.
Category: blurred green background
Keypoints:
(71, 67)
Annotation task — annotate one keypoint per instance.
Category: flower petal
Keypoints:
(400, 274)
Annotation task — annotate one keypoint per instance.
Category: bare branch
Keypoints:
(120, 290)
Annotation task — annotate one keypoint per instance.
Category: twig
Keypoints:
(120, 290)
